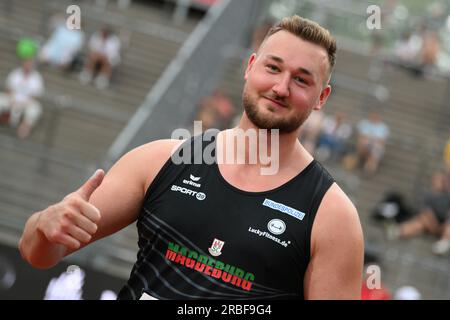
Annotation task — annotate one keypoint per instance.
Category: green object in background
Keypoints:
(26, 48)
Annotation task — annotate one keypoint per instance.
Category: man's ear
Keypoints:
(251, 60)
(323, 97)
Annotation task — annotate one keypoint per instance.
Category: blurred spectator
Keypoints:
(68, 286)
(104, 55)
(20, 104)
(26, 49)
(430, 50)
(447, 157)
(216, 111)
(436, 17)
(63, 45)
(433, 216)
(419, 52)
(390, 11)
(334, 136)
(392, 207)
(407, 48)
(371, 142)
(310, 130)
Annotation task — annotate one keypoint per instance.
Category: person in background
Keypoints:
(371, 142)
(63, 44)
(216, 111)
(447, 159)
(433, 217)
(104, 55)
(24, 87)
(333, 139)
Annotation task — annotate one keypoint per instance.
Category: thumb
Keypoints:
(91, 184)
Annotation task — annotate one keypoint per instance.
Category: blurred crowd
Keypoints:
(420, 43)
(65, 49)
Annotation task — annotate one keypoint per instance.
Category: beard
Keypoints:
(270, 121)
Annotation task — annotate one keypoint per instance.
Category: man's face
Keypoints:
(27, 66)
(285, 81)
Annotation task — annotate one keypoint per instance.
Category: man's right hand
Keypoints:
(73, 221)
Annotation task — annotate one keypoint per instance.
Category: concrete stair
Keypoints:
(73, 136)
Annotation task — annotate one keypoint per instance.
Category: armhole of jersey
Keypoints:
(161, 172)
(167, 164)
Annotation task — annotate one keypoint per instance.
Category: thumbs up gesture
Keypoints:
(73, 221)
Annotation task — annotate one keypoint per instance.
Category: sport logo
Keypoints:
(189, 192)
(216, 247)
(200, 196)
(191, 182)
(276, 226)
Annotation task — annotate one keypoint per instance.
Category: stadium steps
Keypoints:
(84, 131)
(413, 152)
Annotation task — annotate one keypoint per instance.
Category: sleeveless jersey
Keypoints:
(202, 238)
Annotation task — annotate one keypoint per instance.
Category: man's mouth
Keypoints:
(277, 102)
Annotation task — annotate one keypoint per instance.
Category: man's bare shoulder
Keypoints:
(336, 200)
(153, 155)
(337, 250)
(337, 218)
(161, 149)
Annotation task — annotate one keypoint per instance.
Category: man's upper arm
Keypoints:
(337, 250)
(119, 197)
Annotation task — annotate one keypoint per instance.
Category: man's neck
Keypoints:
(270, 149)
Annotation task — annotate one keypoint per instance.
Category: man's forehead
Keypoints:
(278, 59)
(296, 51)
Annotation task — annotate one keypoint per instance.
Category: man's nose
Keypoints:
(281, 87)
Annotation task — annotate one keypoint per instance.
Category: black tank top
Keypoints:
(202, 238)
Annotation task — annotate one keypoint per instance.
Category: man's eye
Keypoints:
(272, 67)
(301, 80)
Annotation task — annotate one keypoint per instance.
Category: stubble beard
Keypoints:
(262, 121)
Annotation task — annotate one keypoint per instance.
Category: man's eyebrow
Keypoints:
(280, 60)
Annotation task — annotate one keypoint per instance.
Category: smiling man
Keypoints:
(231, 232)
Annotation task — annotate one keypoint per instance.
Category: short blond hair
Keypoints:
(309, 31)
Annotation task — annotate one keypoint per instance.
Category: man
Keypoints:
(225, 230)
(104, 53)
(433, 216)
(21, 101)
(373, 133)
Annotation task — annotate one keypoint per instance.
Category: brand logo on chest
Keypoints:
(193, 181)
(198, 195)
